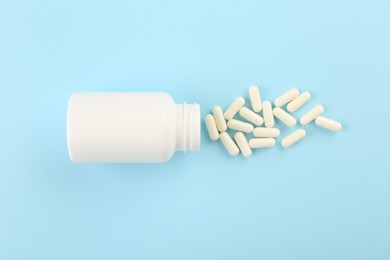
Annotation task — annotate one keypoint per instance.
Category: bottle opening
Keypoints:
(188, 127)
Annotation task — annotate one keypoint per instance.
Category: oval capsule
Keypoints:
(251, 116)
(219, 119)
(329, 124)
(286, 97)
(229, 144)
(266, 132)
(298, 101)
(254, 96)
(261, 142)
(267, 114)
(234, 107)
(211, 127)
(312, 114)
(239, 125)
(293, 138)
(285, 117)
(243, 144)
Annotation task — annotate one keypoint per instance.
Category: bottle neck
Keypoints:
(187, 127)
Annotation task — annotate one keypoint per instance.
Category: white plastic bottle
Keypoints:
(130, 127)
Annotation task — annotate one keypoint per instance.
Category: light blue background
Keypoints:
(328, 197)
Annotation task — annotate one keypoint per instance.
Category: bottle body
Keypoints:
(129, 127)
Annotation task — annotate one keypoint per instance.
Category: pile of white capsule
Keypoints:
(218, 122)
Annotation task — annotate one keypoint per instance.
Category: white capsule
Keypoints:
(298, 101)
(251, 116)
(254, 96)
(267, 114)
(312, 114)
(219, 119)
(293, 138)
(327, 123)
(234, 107)
(285, 117)
(243, 144)
(211, 127)
(286, 97)
(261, 142)
(239, 125)
(229, 144)
(266, 132)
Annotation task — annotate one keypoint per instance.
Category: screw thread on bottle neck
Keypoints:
(187, 127)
